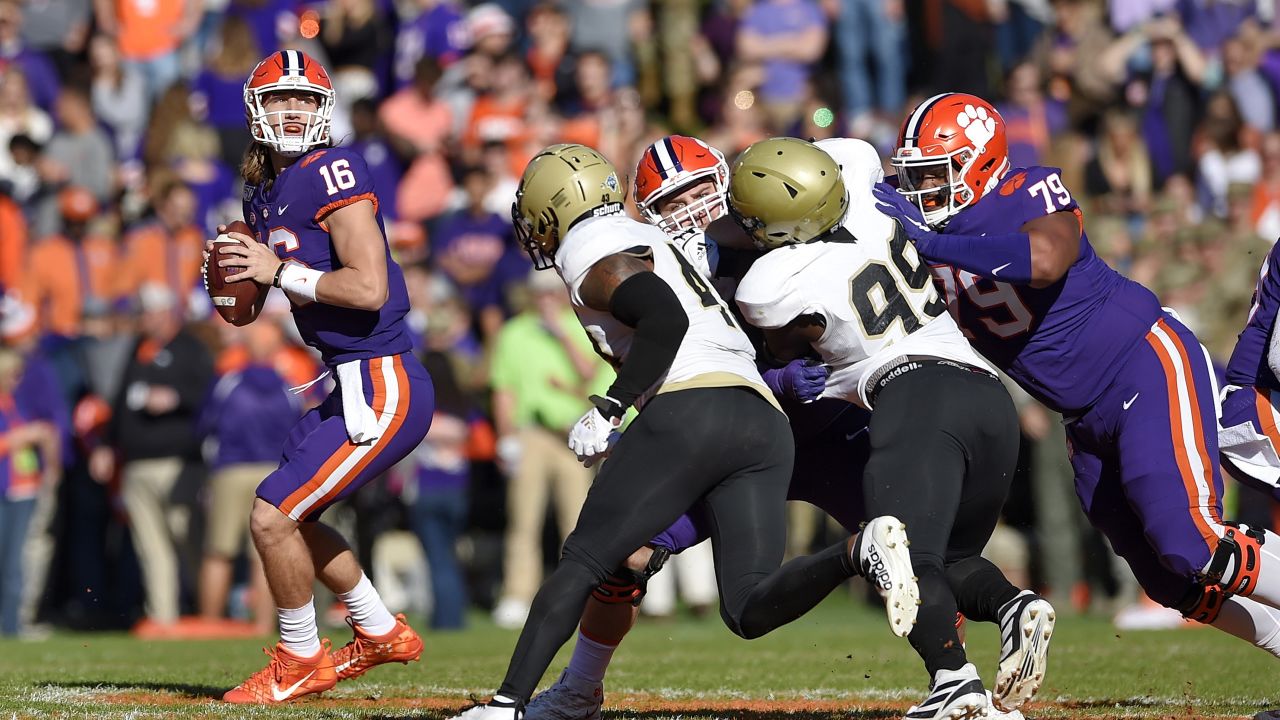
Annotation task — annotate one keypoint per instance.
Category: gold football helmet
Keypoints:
(562, 185)
(785, 191)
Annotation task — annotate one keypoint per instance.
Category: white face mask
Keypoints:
(315, 123)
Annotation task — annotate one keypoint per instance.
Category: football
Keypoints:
(234, 301)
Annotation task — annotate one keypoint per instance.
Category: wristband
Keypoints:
(275, 281)
(298, 280)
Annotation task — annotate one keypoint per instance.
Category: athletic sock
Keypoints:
(1252, 622)
(366, 608)
(980, 589)
(298, 632)
(590, 659)
(934, 636)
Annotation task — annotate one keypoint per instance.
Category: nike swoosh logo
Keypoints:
(280, 210)
(853, 435)
(997, 270)
(288, 692)
(1129, 402)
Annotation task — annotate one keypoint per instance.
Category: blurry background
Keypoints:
(148, 421)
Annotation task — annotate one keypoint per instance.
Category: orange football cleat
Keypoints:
(287, 677)
(365, 651)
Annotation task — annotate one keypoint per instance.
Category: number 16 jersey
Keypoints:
(875, 294)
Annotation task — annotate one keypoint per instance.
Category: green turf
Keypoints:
(841, 651)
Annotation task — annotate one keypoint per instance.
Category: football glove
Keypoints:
(596, 432)
(802, 380)
(890, 202)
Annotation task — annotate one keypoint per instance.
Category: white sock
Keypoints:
(1252, 622)
(366, 608)
(590, 659)
(298, 633)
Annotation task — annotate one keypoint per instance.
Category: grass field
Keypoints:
(837, 662)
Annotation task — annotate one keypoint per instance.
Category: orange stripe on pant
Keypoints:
(1180, 445)
(400, 412)
(1206, 463)
(1266, 416)
(340, 455)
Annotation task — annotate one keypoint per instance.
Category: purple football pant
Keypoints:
(832, 447)
(320, 465)
(1145, 458)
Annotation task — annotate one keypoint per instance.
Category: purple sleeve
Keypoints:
(338, 177)
(688, 530)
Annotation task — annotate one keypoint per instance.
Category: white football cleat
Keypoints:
(998, 714)
(880, 551)
(570, 698)
(493, 710)
(954, 695)
(1026, 627)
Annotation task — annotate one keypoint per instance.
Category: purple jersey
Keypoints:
(1063, 343)
(1248, 365)
(289, 214)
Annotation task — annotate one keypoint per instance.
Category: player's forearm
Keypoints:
(347, 287)
(1000, 257)
(647, 304)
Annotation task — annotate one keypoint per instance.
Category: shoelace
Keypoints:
(274, 671)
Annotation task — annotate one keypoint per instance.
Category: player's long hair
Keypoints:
(256, 167)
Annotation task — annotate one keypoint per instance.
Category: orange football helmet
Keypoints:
(281, 71)
(951, 152)
(671, 165)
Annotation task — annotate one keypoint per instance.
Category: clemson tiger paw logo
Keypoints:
(978, 126)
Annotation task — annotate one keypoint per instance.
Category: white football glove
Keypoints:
(594, 435)
(701, 250)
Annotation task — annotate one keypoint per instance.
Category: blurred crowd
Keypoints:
(134, 424)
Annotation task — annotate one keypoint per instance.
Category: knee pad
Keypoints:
(1203, 603)
(1235, 564)
(627, 586)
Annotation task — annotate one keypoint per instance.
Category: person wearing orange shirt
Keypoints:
(150, 33)
(167, 251)
(74, 269)
(13, 242)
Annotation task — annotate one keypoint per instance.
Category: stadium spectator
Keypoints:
(1031, 119)
(871, 30)
(499, 114)
(13, 244)
(420, 126)
(119, 96)
(18, 116)
(548, 29)
(1265, 210)
(490, 30)
(436, 30)
(153, 429)
(1226, 152)
(79, 152)
(1251, 91)
(218, 89)
(243, 424)
(22, 442)
(785, 37)
(59, 29)
(149, 35)
(438, 509)
(24, 184)
(1118, 177)
(35, 66)
(369, 139)
(609, 27)
(73, 269)
(166, 250)
(355, 36)
(542, 368)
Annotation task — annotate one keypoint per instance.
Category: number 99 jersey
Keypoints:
(875, 293)
(715, 352)
(1065, 343)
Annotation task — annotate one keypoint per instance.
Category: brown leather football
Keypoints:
(234, 301)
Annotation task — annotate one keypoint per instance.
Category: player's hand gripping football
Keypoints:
(802, 379)
(595, 433)
(259, 261)
(892, 203)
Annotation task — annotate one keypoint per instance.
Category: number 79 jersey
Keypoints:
(1063, 343)
(715, 352)
(875, 293)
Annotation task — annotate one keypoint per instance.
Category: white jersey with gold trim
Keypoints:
(714, 352)
(875, 293)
